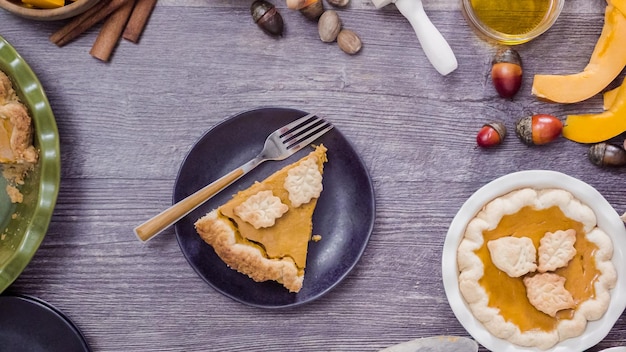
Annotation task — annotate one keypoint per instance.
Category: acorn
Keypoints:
(267, 17)
(506, 72)
(312, 9)
(605, 154)
(491, 135)
(538, 129)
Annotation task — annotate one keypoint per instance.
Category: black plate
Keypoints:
(344, 215)
(28, 324)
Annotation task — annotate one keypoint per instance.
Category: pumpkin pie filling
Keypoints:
(6, 130)
(284, 239)
(17, 153)
(508, 294)
(16, 128)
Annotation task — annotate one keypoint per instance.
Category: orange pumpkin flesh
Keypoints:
(606, 62)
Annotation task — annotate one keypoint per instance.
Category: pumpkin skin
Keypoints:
(607, 61)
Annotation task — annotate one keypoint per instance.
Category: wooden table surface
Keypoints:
(126, 126)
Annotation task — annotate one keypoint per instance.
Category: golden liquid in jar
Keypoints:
(511, 17)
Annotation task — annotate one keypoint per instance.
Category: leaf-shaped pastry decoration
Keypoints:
(261, 209)
(304, 182)
(556, 249)
(547, 293)
(513, 255)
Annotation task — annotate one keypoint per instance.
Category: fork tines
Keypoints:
(304, 131)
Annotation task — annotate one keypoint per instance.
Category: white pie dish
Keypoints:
(607, 219)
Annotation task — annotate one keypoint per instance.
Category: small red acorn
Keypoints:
(506, 72)
(538, 129)
(491, 135)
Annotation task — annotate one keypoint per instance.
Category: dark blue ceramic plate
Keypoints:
(344, 215)
(30, 325)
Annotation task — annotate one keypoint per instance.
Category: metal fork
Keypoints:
(279, 145)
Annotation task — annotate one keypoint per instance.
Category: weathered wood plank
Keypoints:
(126, 126)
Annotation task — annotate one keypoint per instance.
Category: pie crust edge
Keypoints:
(220, 234)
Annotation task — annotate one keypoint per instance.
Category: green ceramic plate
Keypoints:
(24, 225)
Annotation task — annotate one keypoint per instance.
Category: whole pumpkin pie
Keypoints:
(534, 267)
(264, 231)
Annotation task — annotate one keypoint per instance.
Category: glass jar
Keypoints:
(511, 22)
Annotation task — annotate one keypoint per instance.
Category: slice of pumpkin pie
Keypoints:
(264, 231)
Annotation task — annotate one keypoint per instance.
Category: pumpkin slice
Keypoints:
(594, 128)
(609, 98)
(606, 62)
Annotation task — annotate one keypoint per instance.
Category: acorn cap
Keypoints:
(508, 55)
(499, 127)
(524, 130)
(260, 8)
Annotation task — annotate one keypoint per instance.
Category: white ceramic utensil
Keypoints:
(433, 43)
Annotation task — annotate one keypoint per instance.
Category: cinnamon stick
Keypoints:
(76, 21)
(82, 23)
(111, 31)
(138, 20)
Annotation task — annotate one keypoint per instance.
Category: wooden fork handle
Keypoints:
(160, 222)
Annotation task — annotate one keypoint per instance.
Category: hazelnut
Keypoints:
(329, 26)
(295, 4)
(339, 3)
(349, 42)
